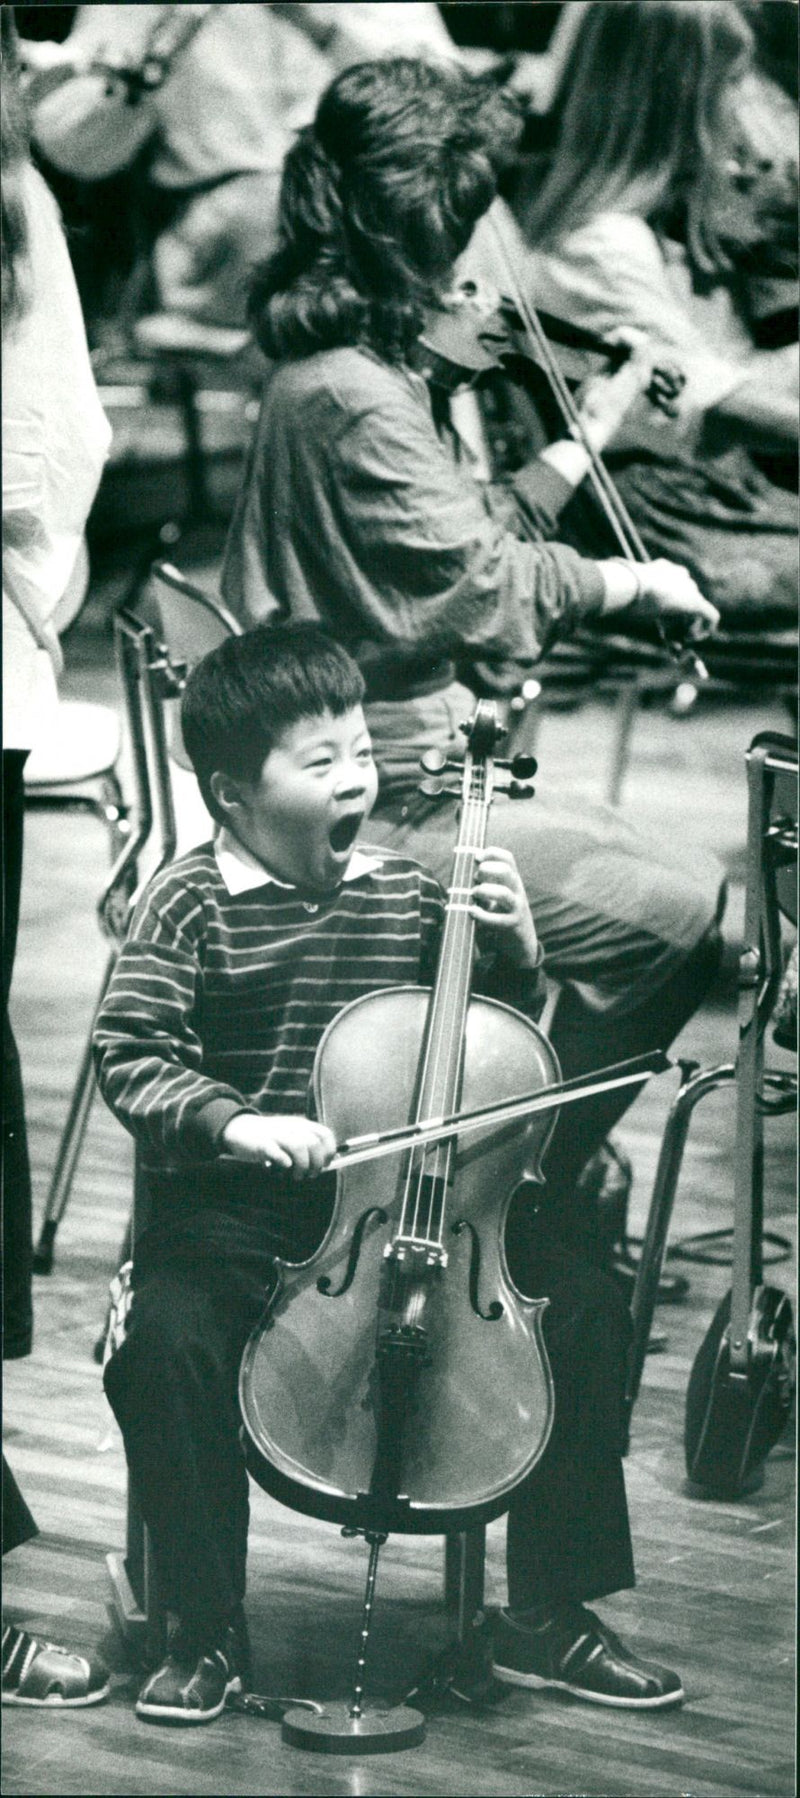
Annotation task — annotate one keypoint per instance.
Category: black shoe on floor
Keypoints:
(199, 1673)
(574, 1652)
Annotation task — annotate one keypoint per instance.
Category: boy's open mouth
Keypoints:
(344, 832)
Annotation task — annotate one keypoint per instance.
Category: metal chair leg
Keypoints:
(137, 1610)
(627, 711)
(464, 1571)
(694, 1087)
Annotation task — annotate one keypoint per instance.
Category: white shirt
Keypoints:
(616, 271)
(242, 872)
(55, 441)
(250, 75)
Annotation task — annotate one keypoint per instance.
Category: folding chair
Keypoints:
(772, 767)
(73, 768)
(192, 624)
(140, 667)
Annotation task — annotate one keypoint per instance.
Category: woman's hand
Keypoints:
(660, 589)
(605, 400)
(293, 1142)
(499, 904)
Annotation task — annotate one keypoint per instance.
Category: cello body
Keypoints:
(468, 1418)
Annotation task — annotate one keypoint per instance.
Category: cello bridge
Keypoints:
(415, 1254)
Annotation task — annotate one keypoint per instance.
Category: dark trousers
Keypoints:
(583, 1042)
(17, 1220)
(568, 1536)
(18, 1524)
(173, 1388)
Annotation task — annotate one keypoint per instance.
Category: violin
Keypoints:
(399, 1380)
(541, 354)
(467, 336)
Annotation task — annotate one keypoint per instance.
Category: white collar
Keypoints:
(242, 872)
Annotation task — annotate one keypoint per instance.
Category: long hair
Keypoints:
(379, 197)
(13, 155)
(643, 120)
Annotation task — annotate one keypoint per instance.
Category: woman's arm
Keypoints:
(444, 574)
(435, 568)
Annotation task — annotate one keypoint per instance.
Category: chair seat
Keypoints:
(82, 743)
(176, 334)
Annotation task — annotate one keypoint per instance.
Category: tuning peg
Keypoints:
(521, 766)
(435, 786)
(520, 789)
(529, 691)
(434, 761)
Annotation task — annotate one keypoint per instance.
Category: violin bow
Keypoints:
(427, 1131)
(609, 498)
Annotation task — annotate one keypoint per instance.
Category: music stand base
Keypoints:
(334, 1729)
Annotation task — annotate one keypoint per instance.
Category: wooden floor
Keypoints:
(715, 1594)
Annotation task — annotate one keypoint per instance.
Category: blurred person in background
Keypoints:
(55, 441)
(202, 101)
(673, 180)
(198, 105)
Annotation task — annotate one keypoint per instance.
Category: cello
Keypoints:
(399, 1380)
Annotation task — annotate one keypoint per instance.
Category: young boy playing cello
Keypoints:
(238, 957)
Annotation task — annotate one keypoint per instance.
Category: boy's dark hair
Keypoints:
(241, 697)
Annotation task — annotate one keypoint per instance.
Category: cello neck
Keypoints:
(441, 1068)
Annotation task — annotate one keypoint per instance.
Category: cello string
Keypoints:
(463, 867)
(451, 957)
(472, 833)
(452, 1003)
(428, 1071)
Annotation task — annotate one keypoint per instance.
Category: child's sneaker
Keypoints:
(200, 1672)
(44, 1674)
(574, 1652)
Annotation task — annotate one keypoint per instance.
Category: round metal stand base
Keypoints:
(334, 1730)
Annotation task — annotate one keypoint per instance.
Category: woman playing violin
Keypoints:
(356, 510)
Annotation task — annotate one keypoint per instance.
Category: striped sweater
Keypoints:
(217, 1004)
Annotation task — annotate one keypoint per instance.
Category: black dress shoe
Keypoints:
(574, 1652)
(200, 1671)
